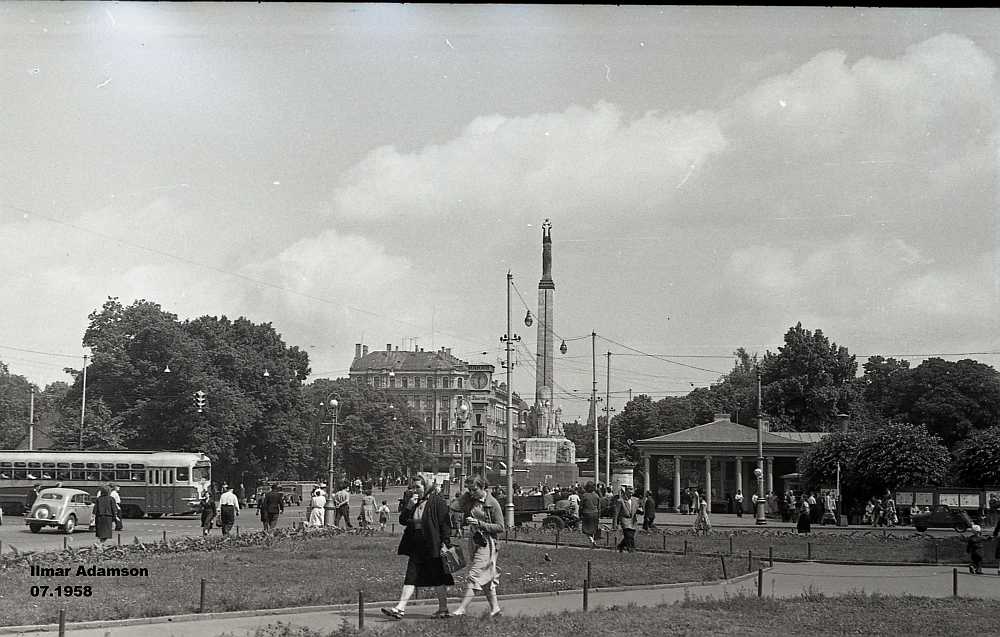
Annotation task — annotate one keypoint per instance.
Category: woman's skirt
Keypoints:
(423, 570)
(483, 564)
(802, 526)
(104, 526)
(588, 522)
(316, 517)
(207, 518)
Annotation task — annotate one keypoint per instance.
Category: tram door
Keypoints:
(160, 491)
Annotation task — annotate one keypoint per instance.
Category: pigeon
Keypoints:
(547, 558)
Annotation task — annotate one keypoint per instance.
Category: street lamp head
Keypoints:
(334, 403)
(528, 319)
(563, 348)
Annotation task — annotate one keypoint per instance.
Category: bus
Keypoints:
(152, 483)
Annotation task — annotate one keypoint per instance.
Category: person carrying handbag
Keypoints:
(426, 538)
(485, 519)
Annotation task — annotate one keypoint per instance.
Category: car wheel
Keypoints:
(921, 529)
(35, 528)
(155, 516)
(70, 525)
(961, 527)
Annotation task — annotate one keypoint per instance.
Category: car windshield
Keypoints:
(52, 496)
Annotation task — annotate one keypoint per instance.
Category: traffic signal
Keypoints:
(199, 400)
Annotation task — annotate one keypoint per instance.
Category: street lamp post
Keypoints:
(759, 471)
(83, 401)
(329, 510)
(463, 424)
(844, 419)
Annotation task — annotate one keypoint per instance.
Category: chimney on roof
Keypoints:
(397, 348)
(388, 347)
(357, 351)
(364, 350)
(449, 351)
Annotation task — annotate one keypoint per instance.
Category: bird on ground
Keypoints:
(547, 558)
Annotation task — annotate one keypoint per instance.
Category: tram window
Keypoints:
(20, 474)
(48, 465)
(93, 465)
(19, 465)
(138, 476)
(47, 474)
(6, 470)
(91, 476)
(182, 474)
(107, 476)
(121, 465)
(63, 474)
(77, 474)
(77, 465)
(34, 465)
(122, 475)
(62, 465)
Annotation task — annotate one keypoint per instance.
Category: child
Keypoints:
(974, 547)
(383, 515)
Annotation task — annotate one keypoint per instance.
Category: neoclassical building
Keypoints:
(718, 458)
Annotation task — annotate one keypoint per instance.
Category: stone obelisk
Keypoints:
(545, 341)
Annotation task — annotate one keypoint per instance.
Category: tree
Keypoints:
(101, 429)
(805, 382)
(977, 459)
(878, 374)
(952, 399)
(15, 398)
(897, 455)
(818, 465)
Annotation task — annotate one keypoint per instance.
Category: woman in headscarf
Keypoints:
(316, 506)
(105, 512)
(207, 510)
(427, 534)
(485, 519)
(590, 512)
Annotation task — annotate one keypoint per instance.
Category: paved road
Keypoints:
(14, 532)
(785, 580)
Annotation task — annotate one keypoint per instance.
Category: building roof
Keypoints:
(406, 361)
(723, 430)
(801, 436)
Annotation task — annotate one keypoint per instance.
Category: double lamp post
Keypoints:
(332, 405)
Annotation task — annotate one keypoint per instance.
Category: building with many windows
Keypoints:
(432, 385)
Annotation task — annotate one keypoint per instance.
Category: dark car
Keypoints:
(941, 516)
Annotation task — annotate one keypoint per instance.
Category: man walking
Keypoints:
(342, 504)
(229, 508)
(118, 506)
(272, 506)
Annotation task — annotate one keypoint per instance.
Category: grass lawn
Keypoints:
(318, 571)
(860, 545)
(809, 615)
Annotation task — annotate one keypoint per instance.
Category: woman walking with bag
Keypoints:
(485, 519)
(427, 536)
(590, 513)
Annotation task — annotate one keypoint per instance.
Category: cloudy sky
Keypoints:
(369, 174)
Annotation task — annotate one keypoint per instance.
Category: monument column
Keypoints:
(545, 340)
(677, 484)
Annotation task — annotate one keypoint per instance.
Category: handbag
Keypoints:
(453, 559)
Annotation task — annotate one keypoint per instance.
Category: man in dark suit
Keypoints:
(271, 507)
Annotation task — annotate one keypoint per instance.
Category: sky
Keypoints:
(369, 174)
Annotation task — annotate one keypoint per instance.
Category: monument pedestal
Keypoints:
(548, 461)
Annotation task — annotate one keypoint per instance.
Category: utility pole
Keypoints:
(31, 421)
(593, 403)
(607, 415)
(83, 401)
(508, 340)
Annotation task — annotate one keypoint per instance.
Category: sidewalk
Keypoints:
(785, 580)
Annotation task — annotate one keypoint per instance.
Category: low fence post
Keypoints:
(557, 538)
(361, 610)
(586, 585)
(954, 582)
(936, 556)
(201, 604)
(64, 543)
(664, 542)
(119, 539)
(62, 622)
(749, 560)
(770, 555)
(685, 547)
(760, 582)
(164, 536)
(588, 570)
(809, 550)
(723, 559)
(730, 544)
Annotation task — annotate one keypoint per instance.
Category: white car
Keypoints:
(61, 507)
